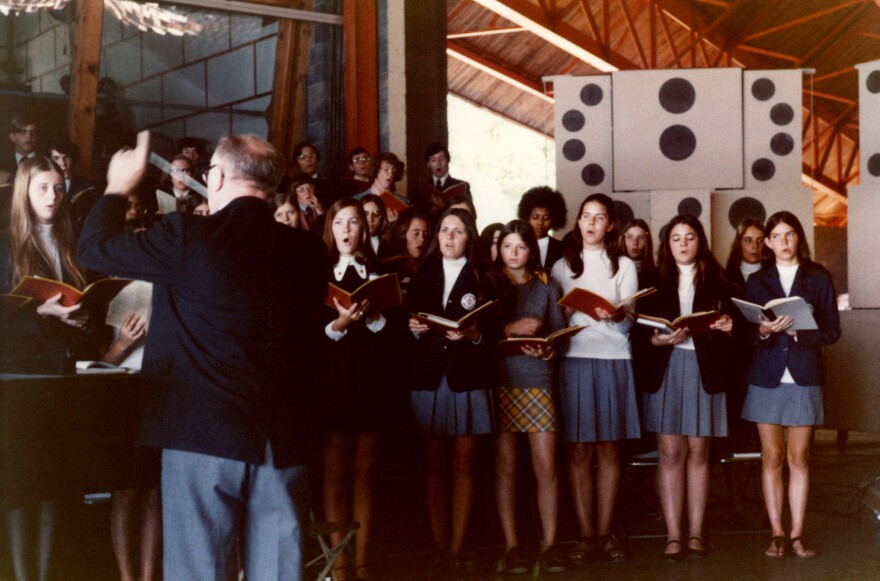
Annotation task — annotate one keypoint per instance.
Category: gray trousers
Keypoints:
(209, 503)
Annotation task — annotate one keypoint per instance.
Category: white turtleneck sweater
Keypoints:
(686, 289)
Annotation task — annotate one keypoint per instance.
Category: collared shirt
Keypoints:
(543, 245)
(19, 158)
(441, 181)
(374, 325)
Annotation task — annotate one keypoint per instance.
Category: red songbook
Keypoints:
(695, 323)
(589, 303)
(490, 308)
(96, 295)
(430, 192)
(514, 345)
(382, 292)
(392, 202)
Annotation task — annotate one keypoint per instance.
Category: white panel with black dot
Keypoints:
(583, 136)
(665, 205)
(630, 205)
(678, 129)
(729, 208)
(772, 119)
(869, 123)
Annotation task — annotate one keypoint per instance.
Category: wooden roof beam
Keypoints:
(561, 35)
(591, 20)
(631, 27)
(84, 70)
(669, 39)
(487, 32)
(801, 20)
(703, 34)
(495, 69)
(834, 36)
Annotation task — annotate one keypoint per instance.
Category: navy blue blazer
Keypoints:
(236, 301)
(467, 366)
(554, 253)
(803, 356)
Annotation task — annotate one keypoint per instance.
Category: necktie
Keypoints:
(438, 184)
(310, 215)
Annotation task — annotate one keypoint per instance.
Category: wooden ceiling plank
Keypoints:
(872, 35)
(703, 51)
(488, 65)
(631, 26)
(829, 97)
(836, 34)
(801, 20)
(453, 12)
(669, 40)
(703, 34)
(826, 151)
(808, 116)
(720, 3)
(487, 32)
(823, 180)
(606, 22)
(839, 152)
(591, 20)
(652, 30)
(853, 153)
(768, 53)
(837, 73)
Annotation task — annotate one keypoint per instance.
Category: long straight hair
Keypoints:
(525, 231)
(363, 253)
(647, 257)
(708, 271)
(785, 217)
(736, 249)
(574, 241)
(28, 256)
(480, 264)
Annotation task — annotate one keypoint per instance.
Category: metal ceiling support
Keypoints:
(491, 67)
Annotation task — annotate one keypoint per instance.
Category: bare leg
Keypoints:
(580, 464)
(464, 451)
(151, 535)
(673, 451)
(336, 484)
(607, 483)
(19, 531)
(800, 439)
(437, 490)
(543, 446)
(364, 487)
(505, 485)
(772, 458)
(697, 489)
(122, 516)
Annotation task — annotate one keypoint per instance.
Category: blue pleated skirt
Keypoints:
(789, 404)
(597, 400)
(444, 412)
(681, 406)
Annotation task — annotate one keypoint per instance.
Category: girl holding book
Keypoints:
(786, 375)
(41, 242)
(746, 252)
(684, 377)
(351, 383)
(597, 396)
(453, 376)
(525, 396)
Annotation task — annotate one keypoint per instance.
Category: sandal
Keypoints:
(611, 548)
(701, 552)
(584, 552)
(776, 550)
(676, 556)
(802, 552)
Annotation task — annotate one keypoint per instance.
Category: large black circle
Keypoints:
(874, 165)
(763, 89)
(677, 95)
(782, 144)
(781, 114)
(591, 95)
(745, 208)
(593, 174)
(763, 169)
(690, 206)
(678, 142)
(574, 150)
(873, 82)
(624, 212)
(573, 120)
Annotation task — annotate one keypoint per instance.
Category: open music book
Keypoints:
(795, 307)
(96, 295)
(514, 345)
(490, 308)
(589, 303)
(382, 292)
(695, 323)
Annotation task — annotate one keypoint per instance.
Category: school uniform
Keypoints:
(787, 373)
(684, 386)
(452, 380)
(551, 251)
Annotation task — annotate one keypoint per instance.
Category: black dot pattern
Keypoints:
(874, 165)
(677, 95)
(745, 208)
(624, 212)
(690, 206)
(678, 142)
(574, 150)
(593, 174)
(873, 82)
(573, 120)
(763, 169)
(782, 144)
(781, 114)
(592, 94)
(763, 89)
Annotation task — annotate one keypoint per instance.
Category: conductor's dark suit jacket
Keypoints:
(234, 313)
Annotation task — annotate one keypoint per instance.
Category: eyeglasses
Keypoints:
(305, 156)
(207, 171)
(361, 159)
(179, 171)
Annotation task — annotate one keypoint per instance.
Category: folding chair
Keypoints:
(321, 532)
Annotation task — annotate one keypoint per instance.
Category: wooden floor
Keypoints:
(846, 534)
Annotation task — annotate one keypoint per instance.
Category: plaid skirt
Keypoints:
(526, 410)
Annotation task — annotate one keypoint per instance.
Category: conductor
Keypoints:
(225, 395)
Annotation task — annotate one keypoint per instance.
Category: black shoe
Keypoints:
(553, 559)
(515, 561)
(701, 552)
(676, 556)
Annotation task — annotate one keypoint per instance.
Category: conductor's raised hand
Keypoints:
(128, 166)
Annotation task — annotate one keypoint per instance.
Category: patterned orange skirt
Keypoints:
(526, 410)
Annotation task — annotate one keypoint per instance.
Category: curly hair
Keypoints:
(544, 197)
